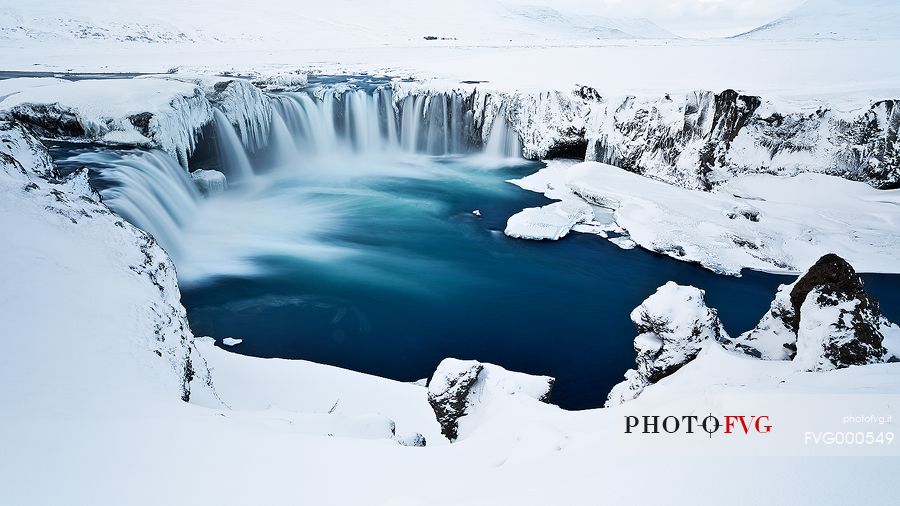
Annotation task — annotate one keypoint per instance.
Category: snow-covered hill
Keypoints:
(834, 19)
(342, 23)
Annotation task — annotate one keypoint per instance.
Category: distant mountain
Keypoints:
(336, 23)
(834, 19)
(550, 21)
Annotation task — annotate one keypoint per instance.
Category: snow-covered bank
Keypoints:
(762, 222)
(95, 410)
(703, 138)
(167, 112)
(823, 321)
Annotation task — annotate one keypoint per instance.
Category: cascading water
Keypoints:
(150, 190)
(232, 156)
(313, 137)
(366, 122)
(282, 144)
(503, 141)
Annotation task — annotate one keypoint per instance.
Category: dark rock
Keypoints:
(448, 392)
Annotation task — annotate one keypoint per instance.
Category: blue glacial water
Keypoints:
(407, 275)
(346, 244)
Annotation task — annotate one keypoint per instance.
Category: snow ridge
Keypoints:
(73, 211)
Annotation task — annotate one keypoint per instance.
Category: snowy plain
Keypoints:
(110, 427)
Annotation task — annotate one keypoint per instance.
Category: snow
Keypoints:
(762, 222)
(834, 19)
(673, 325)
(524, 49)
(79, 368)
(97, 347)
(817, 326)
(102, 109)
(553, 221)
(231, 341)
(209, 182)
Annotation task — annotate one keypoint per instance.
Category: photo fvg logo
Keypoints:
(693, 424)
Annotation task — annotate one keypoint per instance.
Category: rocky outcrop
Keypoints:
(162, 111)
(824, 320)
(702, 138)
(673, 325)
(459, 388)
(448, 392)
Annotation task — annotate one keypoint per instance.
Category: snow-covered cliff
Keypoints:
(696, 140)
(700, 139)
(673, 325)
(823, 321)
(151, 339)
(167, 112)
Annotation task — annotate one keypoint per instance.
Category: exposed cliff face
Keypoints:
(824, 320)
(70, 206)
(167, 112)
(673, 325)
(696, 140)
(460, 388)
(700, 139)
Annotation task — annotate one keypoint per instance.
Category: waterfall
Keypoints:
(413, 110)
(503, 141)
(232, 156)
(150, 190)
(284, 149)
(362, 121)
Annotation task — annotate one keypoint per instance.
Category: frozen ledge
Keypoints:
(761, 222)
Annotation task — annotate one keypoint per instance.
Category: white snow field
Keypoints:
(99, 357)
(506, 46)
(763, 222)
(108, 398)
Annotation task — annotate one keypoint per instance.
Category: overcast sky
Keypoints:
(690, 18)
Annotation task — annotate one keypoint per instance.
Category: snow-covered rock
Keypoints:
(151, 341)
(281, 81)
(209, 182)
(163, 111)
(674, 324)
(459, 387)
(146, 112)
(763, 222)
(824, 320)
(700, 139)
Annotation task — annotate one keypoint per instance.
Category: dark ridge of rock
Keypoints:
(833, 276)
(458, 387)
(448, 393)
(834, 282)
(49, 120)
(141, 121)
(844, 322)
(576, 150)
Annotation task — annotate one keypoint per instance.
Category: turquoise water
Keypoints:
(377, 264)
(413, 277)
